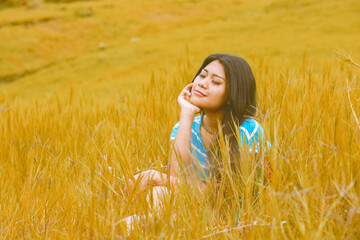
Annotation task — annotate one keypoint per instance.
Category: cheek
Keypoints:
(221, 96)
(195, 85)
(196, 80)
(216, 100)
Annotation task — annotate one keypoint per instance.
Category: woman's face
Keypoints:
(208, 91)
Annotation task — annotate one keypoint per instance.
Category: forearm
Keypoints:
(182, 145)
(162, 179)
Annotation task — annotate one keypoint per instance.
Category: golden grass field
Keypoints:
(88, 97)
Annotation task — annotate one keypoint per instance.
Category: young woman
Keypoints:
(223, 93)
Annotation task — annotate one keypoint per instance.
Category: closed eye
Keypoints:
(215, 82)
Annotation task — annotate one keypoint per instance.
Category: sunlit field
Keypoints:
(88, 98)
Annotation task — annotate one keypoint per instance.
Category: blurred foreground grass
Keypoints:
(64, 160)
(76, 118)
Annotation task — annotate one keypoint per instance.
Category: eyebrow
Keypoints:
(214, 74)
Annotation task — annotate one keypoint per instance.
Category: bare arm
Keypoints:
(181, 148)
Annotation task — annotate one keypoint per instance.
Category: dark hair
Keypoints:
(240, 104)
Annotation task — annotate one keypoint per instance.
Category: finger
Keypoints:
(183, 93)
(188, 87)
(186, 94)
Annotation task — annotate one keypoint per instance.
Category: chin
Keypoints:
(206, 107)
(196, 103)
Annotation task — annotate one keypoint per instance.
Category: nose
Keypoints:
(203, 83)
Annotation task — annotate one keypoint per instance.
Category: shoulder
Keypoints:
(174, 131)
(176, 125)
(196, 122)
(250, 127)
(252, 134)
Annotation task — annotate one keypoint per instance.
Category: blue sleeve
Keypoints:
(251, 133)
(252, 136)
(174, 131)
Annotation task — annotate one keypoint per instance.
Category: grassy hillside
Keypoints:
(88, 97)
(56, 46)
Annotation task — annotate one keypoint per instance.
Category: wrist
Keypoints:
(187, 115)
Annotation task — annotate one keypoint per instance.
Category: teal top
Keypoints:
(251, 133)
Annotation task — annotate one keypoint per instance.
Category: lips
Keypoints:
(197, 92)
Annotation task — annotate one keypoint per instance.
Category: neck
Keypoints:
(211, 120)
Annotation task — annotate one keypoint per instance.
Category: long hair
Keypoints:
(240, 104)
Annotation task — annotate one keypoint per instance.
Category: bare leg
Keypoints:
(156, 199)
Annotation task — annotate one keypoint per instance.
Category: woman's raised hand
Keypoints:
(184, 101)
